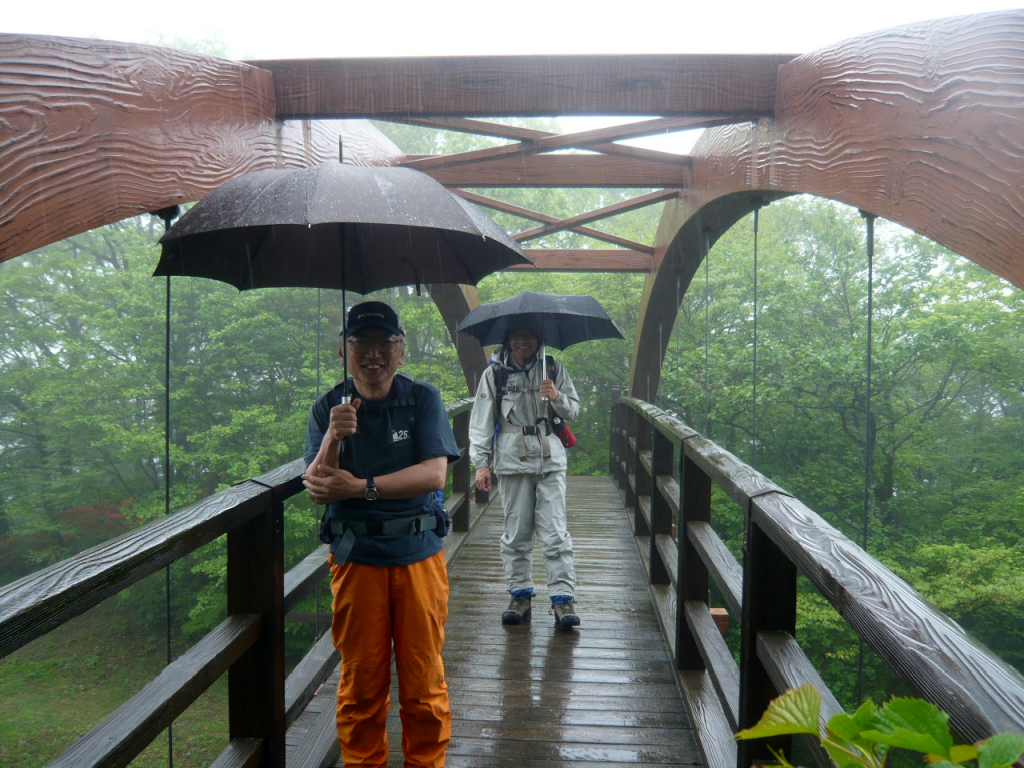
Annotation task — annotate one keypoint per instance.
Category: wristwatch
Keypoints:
(371, 493)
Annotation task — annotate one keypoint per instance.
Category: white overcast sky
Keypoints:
(342, 28)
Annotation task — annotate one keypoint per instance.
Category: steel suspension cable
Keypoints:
(707, 331)
(679, 362)
(316, 524)
(167, 488)
(167, 215)
(869, 431)
(753, 409)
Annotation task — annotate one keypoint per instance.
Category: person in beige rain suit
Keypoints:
(531, 463)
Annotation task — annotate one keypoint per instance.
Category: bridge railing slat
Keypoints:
(39, 602)
(133, 725)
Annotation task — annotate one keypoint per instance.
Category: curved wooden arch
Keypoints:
(922, 125)
(454, 302)
(92, 132)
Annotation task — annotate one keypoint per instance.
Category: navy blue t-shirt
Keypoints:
(390, 436)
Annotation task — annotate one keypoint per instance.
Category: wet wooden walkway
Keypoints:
(602, 695)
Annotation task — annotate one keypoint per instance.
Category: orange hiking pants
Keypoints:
(374, 607)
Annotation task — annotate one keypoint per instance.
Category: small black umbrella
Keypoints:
(336, 226)
(561, 320)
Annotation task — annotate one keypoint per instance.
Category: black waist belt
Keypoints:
(394, 527)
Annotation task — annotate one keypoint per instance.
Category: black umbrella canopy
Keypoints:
(336, 226)
(561, 320)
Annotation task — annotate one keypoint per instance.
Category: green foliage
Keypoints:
(863, 740)
(82, 394)
(58, 687)
(947, 408)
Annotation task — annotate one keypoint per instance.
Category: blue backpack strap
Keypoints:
(404, 395)
(405, 392)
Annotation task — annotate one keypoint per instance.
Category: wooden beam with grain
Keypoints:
(607, 211)
(593, 139)
(565, 170)
(922, 125)
(670, 85)
(93, 132)
(526, 213)
(518, 133)
(586, 260)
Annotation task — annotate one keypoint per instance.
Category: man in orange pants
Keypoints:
(377, 462)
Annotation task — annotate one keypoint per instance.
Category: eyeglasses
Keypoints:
(384, 346)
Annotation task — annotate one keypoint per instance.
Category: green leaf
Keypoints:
(865, 713)
(795, 711)
(961, 753)
(912, 724)
(843, 726)
(1000, 751)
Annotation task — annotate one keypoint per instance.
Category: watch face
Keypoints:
(371, 493)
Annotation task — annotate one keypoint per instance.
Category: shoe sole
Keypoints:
(511, 617)
(568, 622)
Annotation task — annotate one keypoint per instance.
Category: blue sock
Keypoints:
(521, 594)
(559, 599)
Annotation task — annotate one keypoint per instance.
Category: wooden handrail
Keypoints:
(39, 602)
(248, 645)
(935, 657)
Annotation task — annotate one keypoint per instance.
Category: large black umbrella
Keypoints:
(561, 320)
(336, 226)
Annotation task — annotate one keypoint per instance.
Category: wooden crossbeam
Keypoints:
(526, 213)
(601, 213)
(587, 260)
(563, 170)
(518, 133)
(592, 139)
(477, 127)
(673, 85)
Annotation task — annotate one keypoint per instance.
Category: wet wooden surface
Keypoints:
(603, 694)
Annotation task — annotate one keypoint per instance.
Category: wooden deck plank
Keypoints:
(601, 696)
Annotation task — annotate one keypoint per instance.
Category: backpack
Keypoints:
(554, 422)
(501, 380)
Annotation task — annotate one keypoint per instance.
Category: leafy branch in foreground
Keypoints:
(863, 740)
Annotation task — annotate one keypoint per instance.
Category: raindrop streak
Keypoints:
(753, 408)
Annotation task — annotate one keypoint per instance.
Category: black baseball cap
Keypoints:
(372, 314)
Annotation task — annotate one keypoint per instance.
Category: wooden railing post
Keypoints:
(661, 512)
(615, 440)
(769, 603)
(460, 472)
(629, 450)
(692, 584)
(255, 583)
(643, 482)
